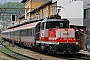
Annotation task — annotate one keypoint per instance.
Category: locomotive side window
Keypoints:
(61, 24)
(66, 24)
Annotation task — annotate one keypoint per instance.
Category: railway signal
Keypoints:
(13, 17)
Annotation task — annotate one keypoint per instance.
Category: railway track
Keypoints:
(15, 55)
(70, 57)
(74, 57)
(62, 57)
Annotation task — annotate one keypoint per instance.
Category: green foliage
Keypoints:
(13, 5)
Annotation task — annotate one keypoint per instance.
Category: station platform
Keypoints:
(84, 52)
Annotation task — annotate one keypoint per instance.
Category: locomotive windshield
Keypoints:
(57, 24)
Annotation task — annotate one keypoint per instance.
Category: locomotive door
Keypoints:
(37, 31)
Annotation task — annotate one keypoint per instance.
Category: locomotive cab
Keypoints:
(54, 22)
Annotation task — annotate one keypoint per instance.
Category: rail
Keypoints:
(15, 55)
(75, 57)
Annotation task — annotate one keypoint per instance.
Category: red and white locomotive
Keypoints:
(51, 34)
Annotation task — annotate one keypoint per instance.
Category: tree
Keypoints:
(12, 5)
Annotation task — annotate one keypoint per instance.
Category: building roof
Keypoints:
(23, 1)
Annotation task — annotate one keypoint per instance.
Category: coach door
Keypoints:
(19, 35)
(37, 32)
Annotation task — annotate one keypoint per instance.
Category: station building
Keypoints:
(76, 11)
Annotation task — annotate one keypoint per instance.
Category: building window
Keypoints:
(45, 12)
(37, 15)
(53, 9)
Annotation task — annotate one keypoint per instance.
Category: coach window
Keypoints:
(11, 33)
(23, 32)
(15, 33)
(18, 32)
(33, 32)
(8, 33)
(29, 31)
(42, 26)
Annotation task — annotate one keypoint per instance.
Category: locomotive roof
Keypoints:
(49, 20)
(55, 17)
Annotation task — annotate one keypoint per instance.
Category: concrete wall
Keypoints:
(86, 21)
(85, 3)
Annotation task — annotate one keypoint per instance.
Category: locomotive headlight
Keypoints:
(76, 43)
(74, 39)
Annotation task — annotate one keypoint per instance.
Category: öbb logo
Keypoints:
(67, 34)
